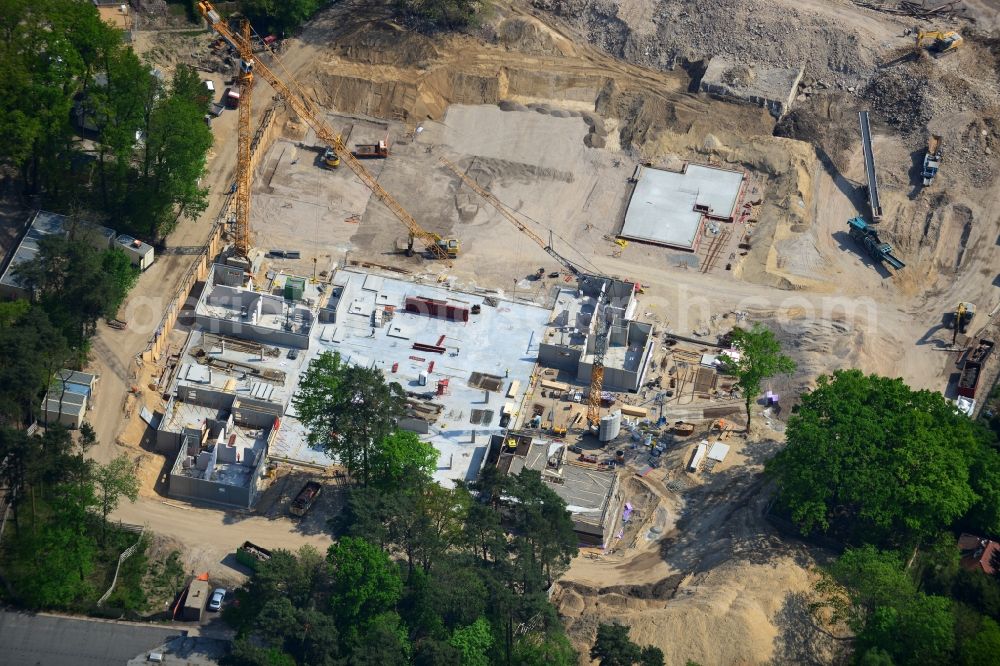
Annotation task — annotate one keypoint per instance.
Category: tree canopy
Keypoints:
(760, 358)
(894, 622)
(441, 13)
(877, 462)
(613, 647)
(52, 548)
(68, 76)
(421, 574)
(351, 412)
(76, 285)
(280, 17)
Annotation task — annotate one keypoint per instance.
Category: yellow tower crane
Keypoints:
(243, 170)
(310, 112)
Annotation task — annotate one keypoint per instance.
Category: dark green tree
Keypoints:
(399, 456)
(474, 642)
(172, 163)
(760, 358)
(114, 481)
(365, 583)
(876, 460)
(441, 13)
(187, 84)
(349, 411)
(280, 17)
(48, 49)
(76, 285)
(545, 541)
(117, 107)
(32, 350)
(982, 648)
(871, 591)
(651, 656)
(613, 646)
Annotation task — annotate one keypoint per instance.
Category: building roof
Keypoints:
(134, 244)
(480, 358)
(667, 207)
(977, 553)
(44, 224)
(468, 368)
(586, 490)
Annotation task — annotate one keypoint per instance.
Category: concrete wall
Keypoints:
(206, 490)
(186, 487)
(253, 413)
(167, 441)
(263, 138)
(69, 420)
(206, 397)
(227, 275)
(262, 334)
(419, 426)
(559, 357)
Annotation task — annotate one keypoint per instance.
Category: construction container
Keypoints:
(610, 426)
(139, 253)
(195, 600)
(295, 287)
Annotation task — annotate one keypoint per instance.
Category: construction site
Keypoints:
(544, 228)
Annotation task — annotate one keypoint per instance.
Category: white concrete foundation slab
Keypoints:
(667, 207)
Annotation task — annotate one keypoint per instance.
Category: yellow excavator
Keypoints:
(331, 160)
(944, 42)
(449, 246)
(964, 314)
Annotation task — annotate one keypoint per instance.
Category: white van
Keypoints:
(211, 87)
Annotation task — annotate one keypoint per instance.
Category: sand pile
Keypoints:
(730, 615)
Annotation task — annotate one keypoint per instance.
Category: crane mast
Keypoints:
(243, 170)
(597, 367)
(310, 113)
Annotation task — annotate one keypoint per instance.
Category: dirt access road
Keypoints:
(114, 352)
(209, 536)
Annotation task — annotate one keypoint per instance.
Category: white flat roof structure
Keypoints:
(667, 207)
(500, 341)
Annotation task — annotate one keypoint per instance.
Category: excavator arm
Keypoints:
(313, 116)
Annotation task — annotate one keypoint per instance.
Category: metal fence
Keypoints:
(127, 553)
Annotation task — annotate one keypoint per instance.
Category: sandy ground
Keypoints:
(554, 127)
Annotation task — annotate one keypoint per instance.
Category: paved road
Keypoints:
(53, 641)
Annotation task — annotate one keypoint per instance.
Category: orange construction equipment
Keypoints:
(313, 115)
(244, 173)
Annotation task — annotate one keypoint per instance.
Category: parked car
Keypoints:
(215, 601)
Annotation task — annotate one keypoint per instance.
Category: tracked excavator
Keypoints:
(944, 42)
(964, 314)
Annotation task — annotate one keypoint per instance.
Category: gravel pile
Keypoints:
(751, 31)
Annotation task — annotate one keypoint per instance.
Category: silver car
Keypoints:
(215, 601)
